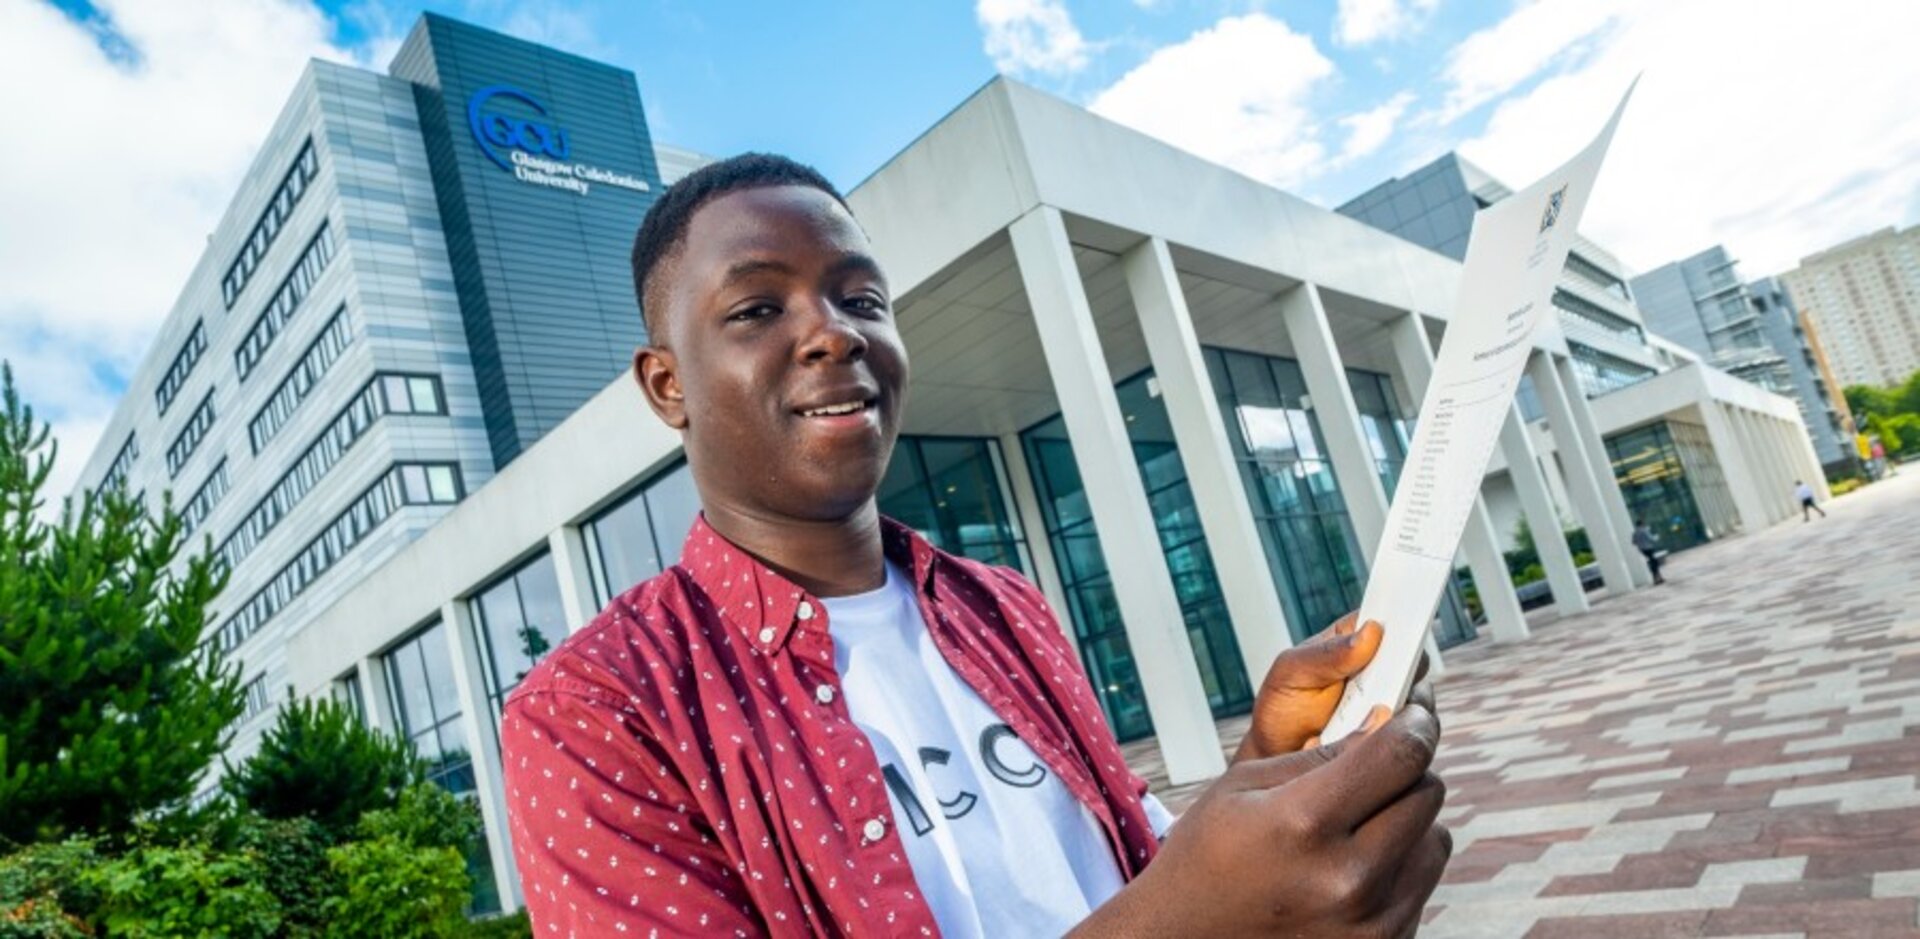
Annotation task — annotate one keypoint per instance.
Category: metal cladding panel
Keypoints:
(525, 143)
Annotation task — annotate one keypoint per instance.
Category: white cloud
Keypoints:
(1368, 130)
(1235, 93)
(1026, 37)
(1358, 22)
(120, 166)
(1777, 130)
(1540, 33)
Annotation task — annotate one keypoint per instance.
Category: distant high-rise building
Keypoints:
(1863, 297)
(1751, 330)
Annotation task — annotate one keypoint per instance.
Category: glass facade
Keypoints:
(1671, 481)
(1091, 605)
(515, 622)
(1297, 505)
(1601, 373)
(641, 535)
(426, 711)
(953, 491)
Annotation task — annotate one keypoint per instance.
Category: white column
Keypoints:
(1771, 472)
(1583, 484)
(374, 696)
(1142, 583)
(483, 744)
(1033, 522)
(1810, 458)
(1602, 463)
(1742, 483)
(1200, 432)
(1530, 483)
(1305, 319)
(1413, 352)
(569, 549)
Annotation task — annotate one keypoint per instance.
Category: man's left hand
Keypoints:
(1304, 684)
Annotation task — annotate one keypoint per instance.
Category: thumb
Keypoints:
(1326, 662)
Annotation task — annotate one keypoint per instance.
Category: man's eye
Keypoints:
(866, 303)
(757, 311)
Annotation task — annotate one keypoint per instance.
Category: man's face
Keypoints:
(781, 361)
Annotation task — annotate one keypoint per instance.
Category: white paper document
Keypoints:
(1514, 257)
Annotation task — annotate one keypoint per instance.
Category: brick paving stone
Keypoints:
(1734, 754)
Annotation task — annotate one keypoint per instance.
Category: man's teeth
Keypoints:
(848, 408)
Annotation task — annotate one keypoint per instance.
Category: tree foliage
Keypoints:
(187, 890)
(395, 890)
(319, 761)
(109, 706)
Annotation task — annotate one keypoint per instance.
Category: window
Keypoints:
(440, 486)
(272, 220)
(953, 491)
(412, 394)
(285, 302)
(300, 380)
(427, 712)
(257, 700)
(351, 424)
(122, 465)
(515, 622)
(1601, 373)
(204, 499)
(347, 693)
(190, 436)
(183, 363)
(641, 536)
(1596, 275)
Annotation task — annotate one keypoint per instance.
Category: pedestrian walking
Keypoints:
(1805, 493)
(1643, 538)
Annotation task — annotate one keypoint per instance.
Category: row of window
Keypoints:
(116, 474)
(204, 499)
(404, 484)
(385, 394)
(188, 440)
(285, 301)
(183, 363)
(1596, 275)
(301, 379)
(1598, 317)
(1601, 373)
(257, 700)
(272, 219)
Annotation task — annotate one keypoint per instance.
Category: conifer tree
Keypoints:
(110, 707)
(319, 761)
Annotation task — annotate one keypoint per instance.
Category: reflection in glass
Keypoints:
(641, 535)
(518, 620)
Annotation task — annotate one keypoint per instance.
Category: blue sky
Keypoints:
(1777, 129)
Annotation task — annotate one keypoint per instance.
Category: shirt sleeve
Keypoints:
(607, 837)
(1158, 816)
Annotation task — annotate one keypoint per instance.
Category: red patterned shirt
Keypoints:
(686, 765)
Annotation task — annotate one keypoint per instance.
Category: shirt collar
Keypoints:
(764, 606)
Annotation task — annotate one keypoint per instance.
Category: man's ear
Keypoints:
(658, 374)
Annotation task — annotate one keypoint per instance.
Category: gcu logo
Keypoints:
(1555, 203)
(498, 132)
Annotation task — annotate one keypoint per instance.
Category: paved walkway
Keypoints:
(1733, 754)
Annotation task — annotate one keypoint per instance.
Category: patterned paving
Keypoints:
(1733, 754)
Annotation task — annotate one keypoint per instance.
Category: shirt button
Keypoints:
(805, 611)
(875, 829)
(823, 694)
(766, 635)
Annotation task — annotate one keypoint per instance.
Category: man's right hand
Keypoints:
(1334, 841)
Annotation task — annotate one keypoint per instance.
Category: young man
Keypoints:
(817, 724)
(1649, 545)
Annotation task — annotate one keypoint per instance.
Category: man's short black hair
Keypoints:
(665, 227)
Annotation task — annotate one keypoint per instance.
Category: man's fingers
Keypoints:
(1275, 771)
(1368, 772)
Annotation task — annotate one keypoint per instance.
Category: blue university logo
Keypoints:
(1554, 203)
(499, 132)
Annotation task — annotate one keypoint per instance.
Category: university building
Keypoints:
(433, 465)
(1864, 297)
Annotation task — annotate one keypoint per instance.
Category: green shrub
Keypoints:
(43, 890)
(292, 858)
(159, 892)
(512, 926)
(425, 816)
(319, 761)
(390, 889)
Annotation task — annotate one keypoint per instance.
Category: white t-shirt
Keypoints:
(1804, 492)
(997, 844)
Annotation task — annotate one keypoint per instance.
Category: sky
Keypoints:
(1776, 128)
